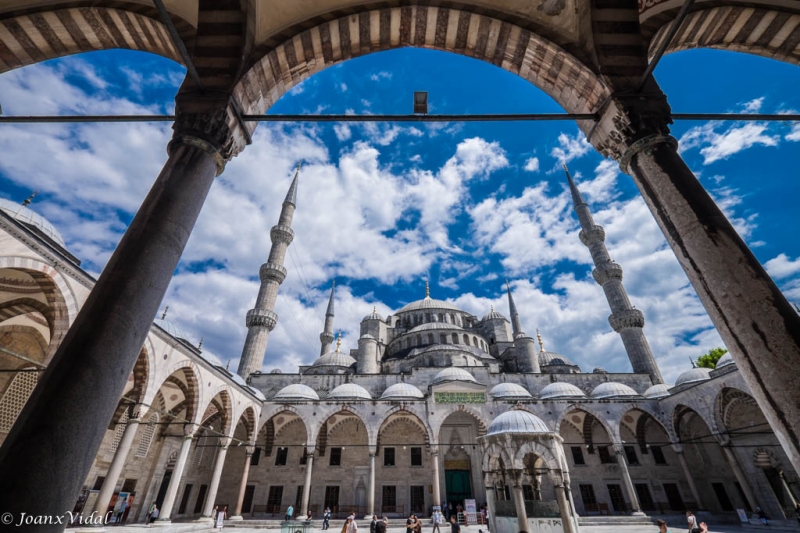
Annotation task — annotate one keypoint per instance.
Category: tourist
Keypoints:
(350, 525)
(662, 526)
(417, 525)
(797, 511)
(454, 527)
(692, 521)
(289, 513)
(380, 527)
(762, 515)
(308, 516)
(703, 527)
(386, 521)
(437, 520)
(326, 517)
(153, 514)
(410, 524)
(449, 511)
(374, 524)
(214, 513)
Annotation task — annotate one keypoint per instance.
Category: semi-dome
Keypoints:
(453, 374)
(552, 358)
(509, 391)
(171, 328)
(402, 391)
(349, 391)
(612, 389)
(493, 315)
(561, 390)
(517, 421)
(659, 390)
(337, 358)
(28, 217)
(725, 360)
(428, 303)
(297, 392)
(693, 375)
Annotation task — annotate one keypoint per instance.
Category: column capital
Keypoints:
(249, 450)
(677, 448)
(224, 442)
(189, 430)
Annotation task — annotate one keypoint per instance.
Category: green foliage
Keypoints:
(710, 358)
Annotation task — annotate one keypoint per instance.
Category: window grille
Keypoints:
(118, 431)
(147, 436)
(15, 397)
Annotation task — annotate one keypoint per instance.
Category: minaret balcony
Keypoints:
(607, 271)
(594, 235)
(281, 233)
(261, 318)
(272, 272)
(629, 318)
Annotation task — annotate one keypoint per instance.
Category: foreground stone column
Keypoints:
(117, 464)
(371, 487)
(177, 474)
(626, 479)
(740, 477)
(213, 487)
(519, 502)
(48, 453)
(564, 509)
(437, 493)
(307, 483)
(237, 512)
(689, 478)
(490, 499)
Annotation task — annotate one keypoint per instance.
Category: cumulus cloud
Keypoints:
(532, 164)
(570, 147)
(382, 75)
(732, 140)
(781, 266)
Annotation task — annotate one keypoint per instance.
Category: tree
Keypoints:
(710, 358)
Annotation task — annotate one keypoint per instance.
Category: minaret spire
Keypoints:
(512, 311)
(427, 289)
(261, 320)
(326, 337)
(625, 319)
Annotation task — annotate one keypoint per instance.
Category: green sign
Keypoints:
(459, 397)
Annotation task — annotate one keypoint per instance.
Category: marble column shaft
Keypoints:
(690, 479)
(219, 464)
(237, 512)
(490, 507)
(740, 477)
(626, 479)
(307, 483)
(564, 509)
(116, 466)
(371, 488)
(175, 480)
(437, 492)
(519, 505)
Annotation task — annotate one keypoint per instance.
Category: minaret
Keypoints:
(526, 355)
(326, 337)
(261, 320)
(625, 319)
(512, 311)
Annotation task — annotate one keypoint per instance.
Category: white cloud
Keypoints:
(781, 266)
(343, 87)
(734, 139)
(383, 75)
(570, 148)
(532, 164)
(342, 131)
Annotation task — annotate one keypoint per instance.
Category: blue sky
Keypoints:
(382, 207)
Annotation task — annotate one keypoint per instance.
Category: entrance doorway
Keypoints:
(162, 491)
(457, 486)
(247, 503)
(674, 497)
(617, 499)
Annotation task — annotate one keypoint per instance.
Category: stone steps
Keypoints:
(615, 520)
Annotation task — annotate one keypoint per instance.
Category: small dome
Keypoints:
(338, 359)
(552, 358)
(296, 392)
(373, 315)
(402, 391)
(693, 375)
(725, 360)
(517, 421)
(599, 370)
(276, 371)
(612, 389)
(659, 390)
(428, 303)
(239, 380)
(453, 374)
(257, 393)
(28, 217)
(211, 358)
(561, 390)
(509, 391)
(171, 328)
(493, 315)
(349, 391)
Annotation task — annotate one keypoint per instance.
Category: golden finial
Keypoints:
(164, 314)
(374, 309)
(339, 341)
(299, 164)
(539, 338)
(427, 290)
(491, 308)
(28, 200)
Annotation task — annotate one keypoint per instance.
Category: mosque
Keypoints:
(435, 407)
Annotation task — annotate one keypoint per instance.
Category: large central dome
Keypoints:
(428, 303)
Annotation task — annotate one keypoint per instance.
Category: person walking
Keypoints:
(350, 525)
(454, 527)
(221, 515)
(410, 524)
(692, 521)
(326, 518)
(662, 526)
(373, 524)
(762, 515)
(380, 526)
(289, 513)
(437, 521)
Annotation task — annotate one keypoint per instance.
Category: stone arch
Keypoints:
(190, 388)
(638, 427)
(249, 419)
(480, 423)
(405, 414)
(38, 36)
(495, 457)
(611, 431)
(725, 402)
(679, 412)
(765, 32)
(515, 49)
(268, 425)
(351, 410)
(222, 402)
(537, 449)
(137, 392)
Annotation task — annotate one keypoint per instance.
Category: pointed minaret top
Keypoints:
(291, 196)
(164, 314)
(30, 198)
(427, 290)
(200, 344)
(512, 309)
(329, 312)
(539, 338)
(577, 199)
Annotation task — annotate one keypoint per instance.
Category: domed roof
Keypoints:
(337, 358)
(453, 374)
(612, 389)
(561, 390)
(428, 303)
(725, 360)
(170, 328)
(517, 421)
(29, 217)
(402, 391)
(298, 391)
(492, 315)
(211, 358)
(434, 325)
(599, 370)
(373, 315)
(349, 391)
(239, 380)
(552, 358)
(276, 371)
(659, 390)
(257, 393)
(693, 375)
(509, 391)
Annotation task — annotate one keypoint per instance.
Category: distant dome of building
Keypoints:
(552, 358)
(725, 360)
(613, 390)
(659, 390)
(509, 391)
(373, 315)
(402, 391)
(337, 358)
(211, 358)
(427, 304)
(276, 371)
(517, 421)
(599, 370)
(349, 391)
(493, 315)
(367, 336)
(257, 393)
(297, 392)
(171, 328)
(239, 380)
(693, 375)
(561, 390)
(433, 325)
(28, 217)
(453, 374)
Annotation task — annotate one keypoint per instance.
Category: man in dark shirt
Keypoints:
(454, 527)
(380, 527)
(373, 524)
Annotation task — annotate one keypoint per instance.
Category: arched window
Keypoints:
(15, 397)
(443, 338)
(427, 317)
(475, 341)
(466, 339)
(419, 340)
(453, 319)
(430, 338)
(455, 338)
(118, 431)
(441, 317)
(147, 436)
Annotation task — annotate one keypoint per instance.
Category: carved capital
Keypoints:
(594, 235)
(189, 430)
(224, 442)
(607, 271)
(249, 451)
(261, 317)
(281, 233)
(272, 272)
(630, 318)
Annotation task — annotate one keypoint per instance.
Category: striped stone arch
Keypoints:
(613, 435)
(479, 422)
(764, 32)
(271, 411)
(492, 457)
(538, 449)
(57, 292)
(345, 410)
(506, 45)
(681, 410)
(138, 392)
(639, 430)
(400, 413)
(190, 389)
(221, 399)
(727, 398)
(249, 418)
(34, 37)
